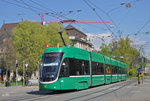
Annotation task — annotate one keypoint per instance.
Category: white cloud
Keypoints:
(98, 39)
(138, 42)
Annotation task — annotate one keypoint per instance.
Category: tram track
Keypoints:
(103, 94)
(120, 84)
(93, 93)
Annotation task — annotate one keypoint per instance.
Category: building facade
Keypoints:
(78, 38)
(5, 35)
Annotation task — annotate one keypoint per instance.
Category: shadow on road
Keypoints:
(50, 92)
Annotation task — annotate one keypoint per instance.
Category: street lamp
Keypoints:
(128, 5)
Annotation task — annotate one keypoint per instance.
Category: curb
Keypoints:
(31, 87)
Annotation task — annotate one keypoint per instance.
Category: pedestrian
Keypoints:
(26, 80)
(7, 84)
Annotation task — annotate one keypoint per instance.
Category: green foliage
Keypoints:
(142, 62)
(14, 83)
(105, 50)
(122, 48)
(2, 82)
(30, 39)
(132, 72)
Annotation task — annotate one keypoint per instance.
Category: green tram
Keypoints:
(71, 68)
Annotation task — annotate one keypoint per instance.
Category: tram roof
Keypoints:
(71, 52)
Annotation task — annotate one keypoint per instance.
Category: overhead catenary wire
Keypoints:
(55, 13)
(29, 7)
(36, 10)
(17, 5)
(39, 9)
(107, 14)
(145, 24)
(94, 10)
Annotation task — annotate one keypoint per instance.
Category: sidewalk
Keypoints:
(141, 91)
(1, 85)
(30, 86)
(146, 82)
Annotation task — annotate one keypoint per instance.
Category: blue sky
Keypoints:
(127, 20)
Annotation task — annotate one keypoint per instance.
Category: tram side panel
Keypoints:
(114, 70)
(107, 73)
(97, 69)
(79, 71)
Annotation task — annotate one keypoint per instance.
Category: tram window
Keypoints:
(79, 67)
(122, 70)
(97, 68)
(108, 71)
(102, 68)
(94, 68)
(86, 68)
(115, 69)
(72, 67)
(64, 72)
(119, 70)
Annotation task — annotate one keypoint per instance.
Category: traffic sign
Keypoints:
(139, 69)
(26, 66)
(0, 71)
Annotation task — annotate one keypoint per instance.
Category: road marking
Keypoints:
(135, 91)
(130, 86)
(6, 94)
(147, 83)
(97, 94)
(114, 88)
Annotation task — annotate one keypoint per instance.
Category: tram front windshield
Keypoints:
(50, 66)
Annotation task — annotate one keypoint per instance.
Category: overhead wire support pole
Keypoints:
(142, 69)
(142, 64)
(16, 73)
(23, 73)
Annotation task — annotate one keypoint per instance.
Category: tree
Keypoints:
(29, 40)
(106, 50)
(122, 50)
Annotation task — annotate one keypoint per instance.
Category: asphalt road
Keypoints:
(122, 91)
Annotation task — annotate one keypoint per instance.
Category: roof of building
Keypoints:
(6, 31)
(70, 27)
(7, 28)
